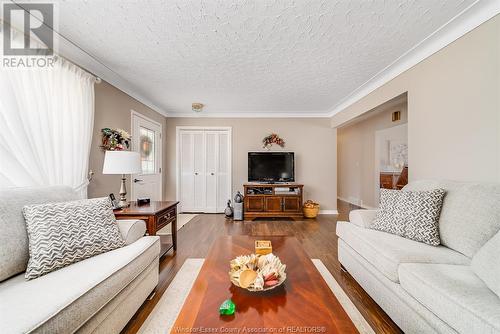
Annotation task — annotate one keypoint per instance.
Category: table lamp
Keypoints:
(122, 162)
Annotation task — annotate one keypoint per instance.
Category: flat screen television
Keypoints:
(271, 167)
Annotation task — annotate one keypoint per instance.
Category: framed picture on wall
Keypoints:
(398, 153)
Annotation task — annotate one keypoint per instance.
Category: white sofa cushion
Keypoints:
(362, 218)
(13, 237)
(63, 300)
(470, 215)
(455, 294)
(387, 251)
(131, 229)
(486, 264)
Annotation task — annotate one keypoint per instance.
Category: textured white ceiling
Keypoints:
(278, 56)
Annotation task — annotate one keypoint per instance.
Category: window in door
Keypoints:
(147, 150)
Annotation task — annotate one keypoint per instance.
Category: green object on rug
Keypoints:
(227, 307)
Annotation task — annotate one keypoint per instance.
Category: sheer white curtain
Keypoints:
(46, 123)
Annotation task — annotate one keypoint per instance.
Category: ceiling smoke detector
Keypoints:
(197, 107)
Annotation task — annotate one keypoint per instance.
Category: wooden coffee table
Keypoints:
(303, 303)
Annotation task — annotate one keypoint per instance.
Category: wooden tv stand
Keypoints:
(269, 200)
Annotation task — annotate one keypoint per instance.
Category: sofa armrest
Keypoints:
(131, 229)
(362, 218)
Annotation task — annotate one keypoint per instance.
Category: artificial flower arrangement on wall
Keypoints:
(115, 139)
(273, 138)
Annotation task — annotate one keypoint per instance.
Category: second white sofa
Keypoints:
(451, 288)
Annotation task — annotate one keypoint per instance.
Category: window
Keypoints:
(147, 150)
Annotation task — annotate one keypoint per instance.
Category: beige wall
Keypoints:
(453, 109)
(112, 109)
(312, 140)
(356, 155)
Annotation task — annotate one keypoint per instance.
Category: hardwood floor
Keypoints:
(317, 237)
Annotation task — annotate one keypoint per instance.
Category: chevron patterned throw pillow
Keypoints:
(410, 214)
(60, 234)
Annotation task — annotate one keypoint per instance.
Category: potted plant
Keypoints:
(115, 139)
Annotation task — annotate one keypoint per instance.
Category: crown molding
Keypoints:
(250, 114)
(470, 18)
(467, 20)
(74, 53)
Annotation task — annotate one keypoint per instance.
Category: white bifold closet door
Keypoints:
(204, 170)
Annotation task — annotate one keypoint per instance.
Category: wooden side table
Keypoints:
(157, 215)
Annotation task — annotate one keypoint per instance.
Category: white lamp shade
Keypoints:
(122, 162)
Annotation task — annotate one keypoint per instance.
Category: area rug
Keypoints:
(165, 313)
(182, 219)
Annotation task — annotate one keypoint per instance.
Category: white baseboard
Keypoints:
(328, 212)
(346, 200)
(361, 206)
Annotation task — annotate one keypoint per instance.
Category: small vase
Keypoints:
(229, 210)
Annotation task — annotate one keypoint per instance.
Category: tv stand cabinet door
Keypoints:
(254, 204)
(273, 204)
(291, 204)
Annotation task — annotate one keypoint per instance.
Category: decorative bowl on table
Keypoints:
(257, 272)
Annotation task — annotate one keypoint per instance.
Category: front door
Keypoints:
(146, 139)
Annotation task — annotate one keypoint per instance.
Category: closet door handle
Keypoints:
(212, 173)
(195, 173)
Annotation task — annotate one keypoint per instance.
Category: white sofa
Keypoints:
(451, 288)
(96, 295)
